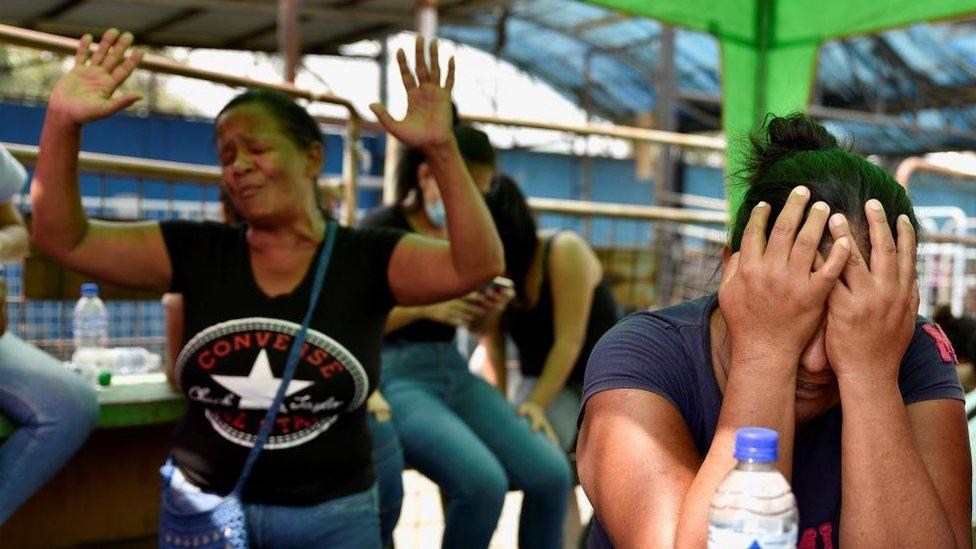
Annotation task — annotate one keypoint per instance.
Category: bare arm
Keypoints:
(926, 475)
(636, 461)
(897, 462)
(131, 254)
(424, 270)
(574, 271)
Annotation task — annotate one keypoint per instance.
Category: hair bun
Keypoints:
(782, 136)
(798, 132)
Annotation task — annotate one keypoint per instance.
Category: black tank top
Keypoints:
(532, 329)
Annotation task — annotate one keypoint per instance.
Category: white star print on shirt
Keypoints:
(257, 390)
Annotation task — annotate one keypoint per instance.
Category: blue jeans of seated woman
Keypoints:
(349, 522)
(465, 436)
(388, 465)
(53, 410)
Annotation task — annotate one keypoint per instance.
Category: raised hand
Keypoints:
(871, 314)
(770, 295)
(428, 122)
(85, 93)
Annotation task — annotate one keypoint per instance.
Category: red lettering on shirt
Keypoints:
(221, 348)
(235, 418)
(281, 342)
(318, 357)
(205, 360)
(946, 352)
(242, 341)
(284, 425)
(263, 338)
(808, 540)
(331, 369)
(300, 422)
(827, 535)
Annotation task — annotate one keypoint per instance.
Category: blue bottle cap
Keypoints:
(756, 444)
(89, 289)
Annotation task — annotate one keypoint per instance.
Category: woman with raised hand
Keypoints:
(245, 287)
(814, 333)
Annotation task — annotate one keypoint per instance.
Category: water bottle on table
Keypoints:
(753, 507)
(90, 326)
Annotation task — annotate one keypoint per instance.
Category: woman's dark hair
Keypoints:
(293, 121)
(796, 150)
(516, 226)
(475, 148)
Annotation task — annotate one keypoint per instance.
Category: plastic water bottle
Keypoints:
(753, 507)
(90, 325)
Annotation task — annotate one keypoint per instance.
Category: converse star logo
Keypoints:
(229, 372)
(257, 390)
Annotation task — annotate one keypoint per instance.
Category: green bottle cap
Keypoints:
(104, 378)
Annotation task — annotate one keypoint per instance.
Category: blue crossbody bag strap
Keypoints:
(292, 363)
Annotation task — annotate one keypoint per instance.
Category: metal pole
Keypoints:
(289, 37)
(667, 244)
(350, 172)
(586, 160)
(427, 18)
(686, 140)
(392, 154)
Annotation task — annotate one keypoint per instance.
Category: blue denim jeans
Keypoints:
(388, 465)
(54, 411)
(465, 436)
(349, 522)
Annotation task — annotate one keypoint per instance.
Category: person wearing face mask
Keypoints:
(454, 427)
(814, 332)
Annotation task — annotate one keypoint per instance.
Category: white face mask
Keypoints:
(436, 213)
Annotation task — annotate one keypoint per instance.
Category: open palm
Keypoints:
(428, 121)
(87, 91)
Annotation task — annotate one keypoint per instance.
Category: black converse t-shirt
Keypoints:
(236, 342)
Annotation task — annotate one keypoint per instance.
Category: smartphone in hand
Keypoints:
(498, 284)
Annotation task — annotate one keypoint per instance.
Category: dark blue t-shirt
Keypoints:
(668, 353)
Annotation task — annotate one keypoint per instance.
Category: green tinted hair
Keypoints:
(795, 150)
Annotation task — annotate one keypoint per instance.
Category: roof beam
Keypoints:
(60, 9)
(237, 42)
(271, 9)
(179, 17)
(609, 19)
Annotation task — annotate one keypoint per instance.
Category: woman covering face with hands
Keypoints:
(813, 333)
(247, 286)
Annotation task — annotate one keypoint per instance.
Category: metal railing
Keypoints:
(66, 46)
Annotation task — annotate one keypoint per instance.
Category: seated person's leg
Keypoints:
(54, 410)
(534, 464)
(440, 446)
